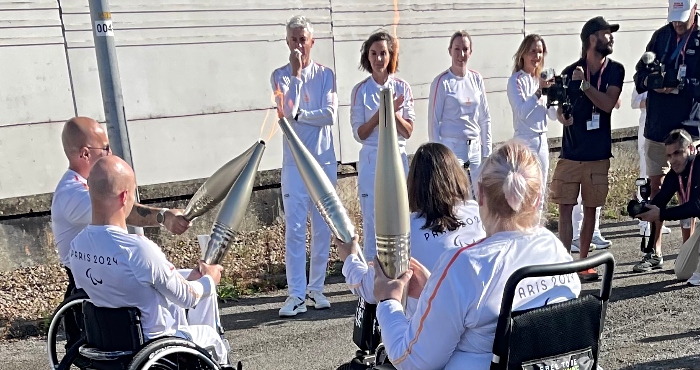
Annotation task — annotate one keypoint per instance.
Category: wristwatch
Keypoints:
(585, 85)
(160, 217)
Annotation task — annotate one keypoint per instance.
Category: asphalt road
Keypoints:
(653, 322)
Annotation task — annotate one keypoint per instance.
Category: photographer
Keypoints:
(668, 72)
(594, 90)
(682, 179)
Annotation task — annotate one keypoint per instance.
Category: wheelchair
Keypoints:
(57, 338)
(562, 335)
(367, 336)
(113, 340)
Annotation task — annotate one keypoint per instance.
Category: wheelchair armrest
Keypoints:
(97, 355)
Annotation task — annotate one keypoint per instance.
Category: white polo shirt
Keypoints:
(71, 211)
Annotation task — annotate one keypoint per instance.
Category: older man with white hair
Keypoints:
(306, 95)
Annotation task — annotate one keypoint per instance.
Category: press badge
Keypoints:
(594, 122)
(681, 72)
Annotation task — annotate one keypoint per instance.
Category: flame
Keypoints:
(397, 17)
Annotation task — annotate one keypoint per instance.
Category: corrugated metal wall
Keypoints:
(195, 73)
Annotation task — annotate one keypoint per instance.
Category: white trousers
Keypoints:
(577, 219)
(199, 325)
(640, 150)
(538, 144)
(466, 151)
(366, 171)
(297, 205)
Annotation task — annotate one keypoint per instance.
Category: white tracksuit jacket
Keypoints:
(426, 247)
(454, 324)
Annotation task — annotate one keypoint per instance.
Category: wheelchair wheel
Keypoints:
(56, 338)
(172, 354)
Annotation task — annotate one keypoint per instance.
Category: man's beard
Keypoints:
(603, 48)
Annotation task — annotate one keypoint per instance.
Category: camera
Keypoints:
(659, 77)
(557, 93)
(636, 207)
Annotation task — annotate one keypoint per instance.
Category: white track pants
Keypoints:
(577, 219)
(538, 144)
(366, 172)
(465, 151)
(200, 325)
(297, 205)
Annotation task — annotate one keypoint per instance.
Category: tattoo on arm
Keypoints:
(143, 211)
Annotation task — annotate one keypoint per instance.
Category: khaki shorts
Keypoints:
(590, 178)
(655, 157)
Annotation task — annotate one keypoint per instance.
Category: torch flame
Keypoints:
(397, 17)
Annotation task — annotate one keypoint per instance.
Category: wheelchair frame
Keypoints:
(147, 355)
(501, 344)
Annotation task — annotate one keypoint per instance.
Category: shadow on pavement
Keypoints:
(270, 317)
(685, 362)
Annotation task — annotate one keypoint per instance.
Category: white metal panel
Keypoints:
(180, 148)
(31, 159)
(34, 86)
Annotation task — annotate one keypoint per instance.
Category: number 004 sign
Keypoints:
(104, 28)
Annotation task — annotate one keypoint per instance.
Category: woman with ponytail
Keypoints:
(454, 324)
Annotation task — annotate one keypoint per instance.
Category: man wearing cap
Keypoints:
(677, 47)
(594, 90)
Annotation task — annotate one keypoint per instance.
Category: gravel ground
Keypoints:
(653, 321)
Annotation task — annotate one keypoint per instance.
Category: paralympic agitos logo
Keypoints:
(92, 279)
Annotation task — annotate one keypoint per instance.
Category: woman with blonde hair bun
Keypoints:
(454, 324)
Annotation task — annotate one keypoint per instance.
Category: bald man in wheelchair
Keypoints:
(118, 269)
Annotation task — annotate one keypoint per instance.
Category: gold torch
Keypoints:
(392, 215)
(320, 188)
(233, 208)
(213, 191)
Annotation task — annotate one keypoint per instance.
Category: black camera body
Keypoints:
(636, 207)
(557, 93)
(659, 77)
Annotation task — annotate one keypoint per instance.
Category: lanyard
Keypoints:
(685, 193)
(600, 73)
(680, 49)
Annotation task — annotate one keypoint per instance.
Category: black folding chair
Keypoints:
(561, 335)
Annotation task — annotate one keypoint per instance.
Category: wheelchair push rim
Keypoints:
(51, 346)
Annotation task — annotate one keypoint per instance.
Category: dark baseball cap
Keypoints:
(597, 24)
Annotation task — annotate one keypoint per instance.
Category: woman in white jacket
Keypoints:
(458, 111)
(443, 217)
(379, 56)
(526, 100)
(454, 324)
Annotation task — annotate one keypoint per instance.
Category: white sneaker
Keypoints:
(694, 280)
(576, 246)
(646, 230)
(600, 242)
(292, 306)
(320, 301)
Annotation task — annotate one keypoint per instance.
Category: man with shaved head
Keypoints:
(118, 269)
(85, 142)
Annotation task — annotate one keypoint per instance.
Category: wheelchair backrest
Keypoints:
(113, 329)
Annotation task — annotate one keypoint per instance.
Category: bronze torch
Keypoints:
(213, 191)
(233, 208)
(392, 215)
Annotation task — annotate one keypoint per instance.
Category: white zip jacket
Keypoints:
(313, 97)
(458, 109)
(454, 324)
(426, 247)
